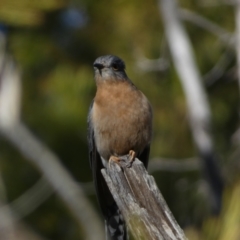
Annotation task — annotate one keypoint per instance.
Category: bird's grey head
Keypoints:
(109, 67)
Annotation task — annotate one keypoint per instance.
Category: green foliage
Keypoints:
(58, 87)
(27, 12)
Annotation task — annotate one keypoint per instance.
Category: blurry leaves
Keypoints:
(230, 219)
(65, 92)
(58, 85)
(227, 225)
(27, 12)
(43, 4)
(33, 51)
(19, 17)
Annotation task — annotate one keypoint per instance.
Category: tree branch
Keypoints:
(219, 69)
(38, 154)
(237, 22)
(197, 103)
(173, 165)
(58, 177)
(7, 226)
(208, 25)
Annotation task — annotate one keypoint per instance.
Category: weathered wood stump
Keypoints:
(140, 201)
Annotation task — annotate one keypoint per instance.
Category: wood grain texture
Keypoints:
(140, 201)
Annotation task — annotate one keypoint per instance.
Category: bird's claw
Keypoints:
(132, 156)
(123, 161)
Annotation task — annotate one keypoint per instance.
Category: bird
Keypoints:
(119, 123)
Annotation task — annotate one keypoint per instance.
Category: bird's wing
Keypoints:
(115, 224)
(144, 156)
(96, 166)
(90, 135)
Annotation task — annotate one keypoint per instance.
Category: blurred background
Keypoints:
(55, 42)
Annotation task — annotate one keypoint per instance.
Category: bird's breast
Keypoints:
(122, 120)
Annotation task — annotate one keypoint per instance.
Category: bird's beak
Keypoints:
(99, 66)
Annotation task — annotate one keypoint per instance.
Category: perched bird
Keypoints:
(119, 123)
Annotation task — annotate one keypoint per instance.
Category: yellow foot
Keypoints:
(113, 159)
(123, 161)
(132, 155)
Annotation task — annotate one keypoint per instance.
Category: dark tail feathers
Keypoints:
(115, 226)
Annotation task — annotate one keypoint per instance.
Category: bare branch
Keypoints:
(197, 103)
(35, 196)
(31, 199)
(7, 227)
(58, 177)
(218, 69)
(148, 65)
(173, 165)
(10, 227)
(141, 203)
(215, 3)
(39, 155)
(189, 75)
(235, 139)
(208, 25)
(10, 95)
(88, 188)
(237, 20)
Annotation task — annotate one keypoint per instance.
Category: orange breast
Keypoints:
(122, 119)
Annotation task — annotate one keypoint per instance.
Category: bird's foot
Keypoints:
(123, 161)
(132, 155)
(114, 159)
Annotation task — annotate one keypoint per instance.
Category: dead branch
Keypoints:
(216, 3)
(30, 200)
(37, 153)
(57, 176)
(173, 165)
(219, 68)
(141, 203)
(237, 22)
(7, 226)
(148, 65)
(10, 227)
(224, 36)
(196, 98)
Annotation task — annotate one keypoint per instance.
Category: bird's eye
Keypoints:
(115, 67)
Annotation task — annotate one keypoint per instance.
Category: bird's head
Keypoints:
(109, 67)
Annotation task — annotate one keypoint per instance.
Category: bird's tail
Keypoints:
(115, 225)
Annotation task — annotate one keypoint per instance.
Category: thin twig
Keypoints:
(237, 21)
(148, 65)
(31, 199)
(221, 33)
(216, 3)
(173, 165)
(219, 68)
(7, 226)
(58, 177)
